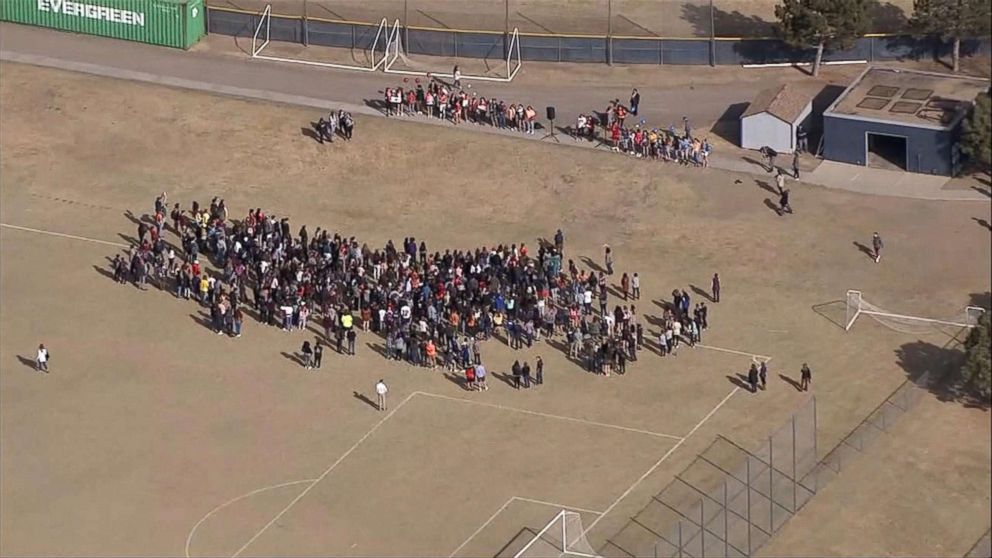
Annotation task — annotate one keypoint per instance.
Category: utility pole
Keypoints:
(406, 24)
(306, 25)
(609, 32)
(506, 28)
(712, 37)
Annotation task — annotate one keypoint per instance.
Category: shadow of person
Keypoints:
(740, 381)
(766, 186)
(592, 265)
(293, 357)
(381, 349)
(105, 272)
(701, 292)
(203, 320)
(310, 132)
(865, 250)
(771, 205)
(982, 222)
(457, 380)
(29, 362)
(363, 399)
(791, 382)
(505, 378)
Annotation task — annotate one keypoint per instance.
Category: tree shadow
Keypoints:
(823, 308)
(30, 363)
(592, 265)
(702, 293)
(938, 370)
(982, 222)
(363, 399)
(740, 381)
(293, 357)
(725, 24)
(791, 382)
(865, 250)
(982, 300)
(771, 205)
(887, 17)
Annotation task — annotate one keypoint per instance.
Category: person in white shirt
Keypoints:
(41, 361)
(380, 391)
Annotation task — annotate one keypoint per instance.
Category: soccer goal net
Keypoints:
(398, 60)
(858, 306)
(375, 54)
(562, 536)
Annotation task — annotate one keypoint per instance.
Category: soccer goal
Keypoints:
(562, 536)
(396, 52)
(263, 34)
(857, 306)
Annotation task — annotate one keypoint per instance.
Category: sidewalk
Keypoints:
(224, 73)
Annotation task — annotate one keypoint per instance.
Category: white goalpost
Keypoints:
(562, 536)
(857, 306)
(258, 44)
(396, 51)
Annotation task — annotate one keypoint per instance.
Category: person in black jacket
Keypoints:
(318, 354)
(752, 378)
(307, 355)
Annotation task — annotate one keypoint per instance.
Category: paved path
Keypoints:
(306, 86)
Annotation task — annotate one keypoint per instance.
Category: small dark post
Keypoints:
(712, 37)
(306, 25)
(609, 32)
(506, 28)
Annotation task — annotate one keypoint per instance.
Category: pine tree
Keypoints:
(975, 140)
(977, 367)
(953, 20)
(822, 24)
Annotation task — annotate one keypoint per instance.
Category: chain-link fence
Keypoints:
(730, 500)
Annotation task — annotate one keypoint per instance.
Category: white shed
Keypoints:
(772, 118)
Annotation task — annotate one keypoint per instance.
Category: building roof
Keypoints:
(787, 102)
(908, 97)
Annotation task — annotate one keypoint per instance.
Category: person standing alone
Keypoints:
(380, 391)
(876, 246)
(635, 101)
(716, 287)
(41, 361)
(805, 377)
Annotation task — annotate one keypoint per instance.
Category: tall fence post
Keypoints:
(816, 453)
(609, 32)
(771, 487)
(747, 501)
(306, 25)
(712, 37)
(726, 535)
(794, 485)
(506, 28)
(680, 539)
(702, 528)
(406, 25)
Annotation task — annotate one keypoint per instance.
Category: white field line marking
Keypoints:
(63, 235)
(658, 464)
(733, 351)
(504, 506)
(481, 527)
(323, 475)
(554, 505)
(192, 532)
(558, 417)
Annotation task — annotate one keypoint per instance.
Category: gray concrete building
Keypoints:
(901, 119)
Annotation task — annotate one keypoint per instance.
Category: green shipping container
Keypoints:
(174, 23)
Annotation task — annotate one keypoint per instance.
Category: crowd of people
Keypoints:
(431, 308)
(453, 103)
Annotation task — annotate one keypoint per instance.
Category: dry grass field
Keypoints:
(153, 437)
